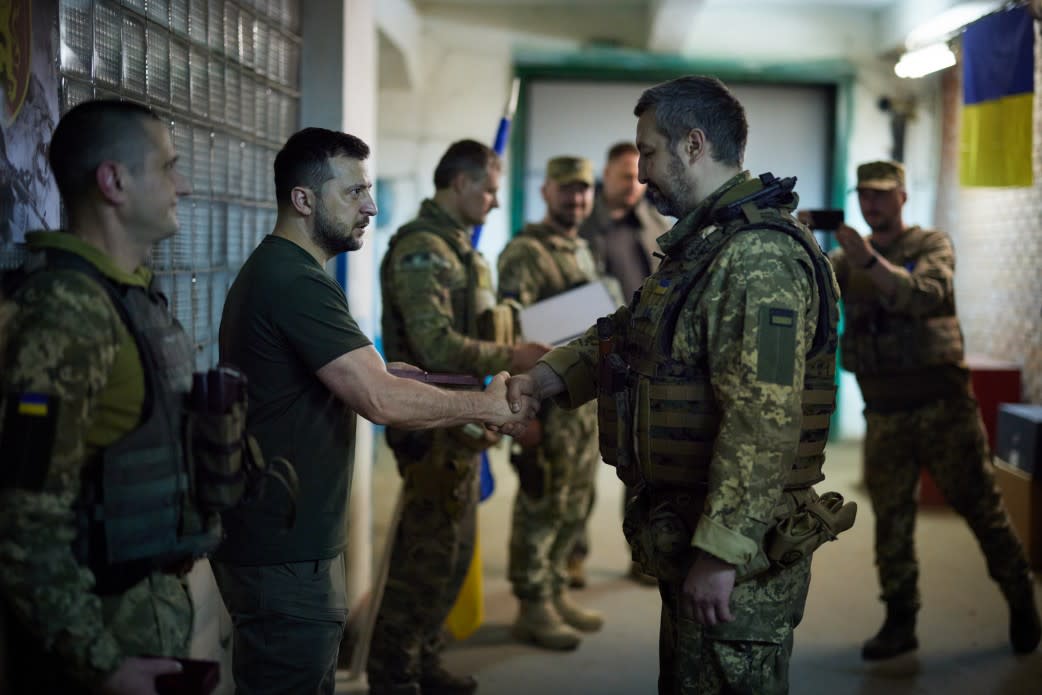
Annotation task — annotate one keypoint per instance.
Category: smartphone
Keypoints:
(199, 677)
(825, 220)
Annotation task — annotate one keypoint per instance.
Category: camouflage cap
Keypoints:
(881, 176)
(565, 170)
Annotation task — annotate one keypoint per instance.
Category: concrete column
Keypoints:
(339, 91)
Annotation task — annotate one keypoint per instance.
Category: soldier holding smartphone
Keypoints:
(904, 343)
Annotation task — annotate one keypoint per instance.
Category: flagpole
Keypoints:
(499, 145)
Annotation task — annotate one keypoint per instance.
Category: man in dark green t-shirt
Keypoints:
(287, 326)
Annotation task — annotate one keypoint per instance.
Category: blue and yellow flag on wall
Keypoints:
(998, 84)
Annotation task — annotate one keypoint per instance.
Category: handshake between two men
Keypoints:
(406, 397)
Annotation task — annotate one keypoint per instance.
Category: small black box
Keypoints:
(1018, 440)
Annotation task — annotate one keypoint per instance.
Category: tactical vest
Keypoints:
(475, 314)
(565, 269)
(469, 303)
(666, 438)
(135, 513)
(878, 342)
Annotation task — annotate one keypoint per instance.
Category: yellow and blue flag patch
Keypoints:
(998, 54)
(27, 429)
(33, 404)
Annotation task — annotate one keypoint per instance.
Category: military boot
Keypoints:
(1025, 631)
(578, 617)
(897, 635)
(539, 624)
(438, 681)
(576, 572)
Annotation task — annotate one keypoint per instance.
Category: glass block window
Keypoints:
(224, 76)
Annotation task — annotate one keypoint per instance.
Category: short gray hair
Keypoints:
(703, 102)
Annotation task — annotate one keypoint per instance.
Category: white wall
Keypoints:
(788, 131)
(765, 33)
(338, 90)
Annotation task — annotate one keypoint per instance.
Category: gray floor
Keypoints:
(964, 648)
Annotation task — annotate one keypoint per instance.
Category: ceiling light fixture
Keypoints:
(948, 23)
(925, 60)
(926, 46)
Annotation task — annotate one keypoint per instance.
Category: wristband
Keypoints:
(871, 262)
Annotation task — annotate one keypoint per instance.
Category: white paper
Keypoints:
(566, 316)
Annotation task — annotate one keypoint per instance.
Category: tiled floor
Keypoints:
(962, 624)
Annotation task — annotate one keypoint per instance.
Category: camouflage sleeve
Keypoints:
(423, 271)
(61, 345)
(519, 275)
(758, 317)
(929, 283)
(577, 363)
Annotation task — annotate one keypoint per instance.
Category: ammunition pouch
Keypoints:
(659, 529)
(812, 524)
(501, 323)
(226, 465)
(532, 472)
(444, 480)
(608, 427)
(615, 421)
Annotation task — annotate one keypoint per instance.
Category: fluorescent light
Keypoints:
(947, 23)
(924, 61)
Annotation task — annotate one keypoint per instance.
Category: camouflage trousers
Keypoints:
(948, 439)
(432, 550)
(748, 656)
(553, 503)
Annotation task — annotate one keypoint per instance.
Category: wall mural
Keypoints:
(28, 114)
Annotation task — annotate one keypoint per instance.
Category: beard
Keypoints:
(566, 218)
(671, 202)
(331, 236)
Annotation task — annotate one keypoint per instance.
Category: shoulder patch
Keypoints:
(27, 438)
(776, 348)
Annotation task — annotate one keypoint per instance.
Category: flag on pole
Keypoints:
(469, 610)
(998, 56)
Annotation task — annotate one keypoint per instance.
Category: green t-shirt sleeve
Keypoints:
(315, 319)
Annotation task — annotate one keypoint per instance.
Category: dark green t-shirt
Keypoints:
(283, 320)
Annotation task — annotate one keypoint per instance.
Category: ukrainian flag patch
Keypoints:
(782, 317)
(27, 426)
(33, 404)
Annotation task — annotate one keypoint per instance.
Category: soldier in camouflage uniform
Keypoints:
(904, 344)
(715, 388)
(439, 314)
(557, 460)
(81, 335)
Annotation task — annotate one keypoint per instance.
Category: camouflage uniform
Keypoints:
(751, 303)
(907, 354)
(557, 477)
(437, 292)
(63, 337)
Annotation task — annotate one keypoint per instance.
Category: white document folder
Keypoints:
(566, 316)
